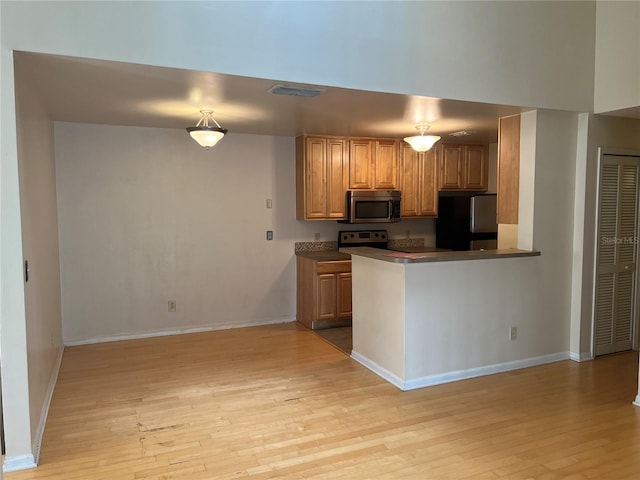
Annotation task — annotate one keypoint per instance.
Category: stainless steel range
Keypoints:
(378, 239)
(363, 238)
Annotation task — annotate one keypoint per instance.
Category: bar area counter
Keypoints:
(436, 256)
(429, 318)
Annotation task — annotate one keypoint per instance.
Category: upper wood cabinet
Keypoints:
(451, 167)
(386, 164)
(463, 167)
(373, 164)
(418, 182)
(322, 169)
(508, 169)
(476, 168)
(361, 168)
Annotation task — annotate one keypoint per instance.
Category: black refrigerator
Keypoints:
(467, 221)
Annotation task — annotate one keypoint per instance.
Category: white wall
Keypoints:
(617, 56)
(146, 216)
(459, 315)
(556, 134)
(379, 334)
(15, 379)
(40, 249)
(515, 53)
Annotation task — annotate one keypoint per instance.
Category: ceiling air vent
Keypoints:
(463, 133)
(296, 91)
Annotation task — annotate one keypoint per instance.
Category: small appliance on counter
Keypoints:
(373, 206)
(467, 221)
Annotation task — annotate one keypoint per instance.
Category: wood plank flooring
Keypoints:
(279, 402)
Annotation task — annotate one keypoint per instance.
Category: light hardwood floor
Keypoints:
(279, 402)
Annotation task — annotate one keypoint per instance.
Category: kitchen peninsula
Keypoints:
(421, 319)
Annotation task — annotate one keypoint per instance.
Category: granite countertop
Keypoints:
(418, 249)
(325, 255)
(442, 256)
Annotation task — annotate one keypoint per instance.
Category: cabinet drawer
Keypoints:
(340, 266)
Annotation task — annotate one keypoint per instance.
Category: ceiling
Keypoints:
(103, 92)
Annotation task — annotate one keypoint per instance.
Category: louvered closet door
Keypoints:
(615, 306)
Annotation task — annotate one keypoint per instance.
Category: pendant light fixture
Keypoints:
(206, 135)
(422, 142)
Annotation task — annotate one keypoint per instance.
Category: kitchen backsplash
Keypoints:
(324, 246)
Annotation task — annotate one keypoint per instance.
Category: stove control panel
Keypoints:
(363, 238)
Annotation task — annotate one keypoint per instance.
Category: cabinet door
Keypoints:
(386, 165)
(508, 169)
(451, 167)
(360, 164)
(337, 174)
(344, 295)
(428, 204)
(316, 177)
(410, 181)
(476, 168)
(327, 296)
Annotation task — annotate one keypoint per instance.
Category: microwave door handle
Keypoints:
(390, 209)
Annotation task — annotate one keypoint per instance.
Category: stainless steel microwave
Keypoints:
(373, 206)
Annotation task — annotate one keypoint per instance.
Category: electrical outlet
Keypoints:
(513, 333)
(317, 236)
(269, 203)
(408, 233)
(171, 305)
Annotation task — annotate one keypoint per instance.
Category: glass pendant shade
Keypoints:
(207, 136)
(422, 142)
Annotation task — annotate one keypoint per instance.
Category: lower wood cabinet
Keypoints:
(323, 292)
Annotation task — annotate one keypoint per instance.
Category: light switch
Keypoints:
(269, 235)
(269, 203)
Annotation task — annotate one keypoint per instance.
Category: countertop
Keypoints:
(325, 255)
(442, 256)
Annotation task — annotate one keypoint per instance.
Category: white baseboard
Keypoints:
(581, 357)
(178, 331)
(44, 413)
(637, 401)
(378, 370)
(18, 462)
(437, 379)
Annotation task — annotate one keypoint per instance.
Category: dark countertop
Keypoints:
(421, 249)
(325, 255)
(442, 256)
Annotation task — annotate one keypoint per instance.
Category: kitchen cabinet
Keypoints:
(418, 182)
(322, 168)
(373, 164)
(508, 169)
(476, 168)
(463, 167)
(323, 292)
